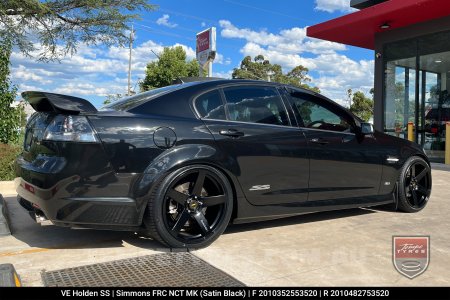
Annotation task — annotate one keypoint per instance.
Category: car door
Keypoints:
(345, 167)
(254, 131)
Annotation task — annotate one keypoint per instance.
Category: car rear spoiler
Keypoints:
(49, 102)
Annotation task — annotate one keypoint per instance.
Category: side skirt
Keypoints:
(248, 213)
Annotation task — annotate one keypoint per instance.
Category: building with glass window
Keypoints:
(411, 43)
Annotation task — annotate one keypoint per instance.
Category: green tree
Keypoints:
(362, 106)
(9, 116)
(58, 25)
(261, 69)
(111, 98)
(170, 65)
(22, 115)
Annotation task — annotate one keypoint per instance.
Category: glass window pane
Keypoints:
(434, 51)
(256, 105)
(128, 103)
(429, 108)
(210, 106)
(400, 87)
(316, 116)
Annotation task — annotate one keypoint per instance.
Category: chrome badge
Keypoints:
(260, 187)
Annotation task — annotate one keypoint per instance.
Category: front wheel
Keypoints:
(191, 208)
(414, 185)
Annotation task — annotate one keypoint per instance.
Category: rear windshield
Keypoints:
(133, 101)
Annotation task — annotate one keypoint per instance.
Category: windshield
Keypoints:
(133, 101)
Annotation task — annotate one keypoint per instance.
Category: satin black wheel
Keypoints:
(192, 207)
(414, 185)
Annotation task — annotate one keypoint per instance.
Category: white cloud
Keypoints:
(262, 37)
(88, 89)
(226, 75)
(25, 87)
(289, 40)
(202, 24)
(164, 21)
(24, 74)
(334, 73)
(92, 71)
(190, 53)
(221, 60)
(334, 5)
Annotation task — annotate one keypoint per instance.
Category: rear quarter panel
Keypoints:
(128, 142)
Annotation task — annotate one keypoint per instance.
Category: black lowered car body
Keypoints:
(182, 162)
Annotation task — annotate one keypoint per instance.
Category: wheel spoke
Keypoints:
(422, 190)
(202, 222)
(413, 171)
(416, 200)
(213, 200)
(197, 189)
(421, 174)
(182, 219)
(177, 196)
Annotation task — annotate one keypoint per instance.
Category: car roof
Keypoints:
(211, 82)
(179, 95)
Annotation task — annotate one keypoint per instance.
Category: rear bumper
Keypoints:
(79, 211)
(98, 201)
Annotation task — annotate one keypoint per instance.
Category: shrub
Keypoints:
(9, 116)
(8, 154)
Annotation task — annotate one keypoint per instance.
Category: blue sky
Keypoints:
(275, 29)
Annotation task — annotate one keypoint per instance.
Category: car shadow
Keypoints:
(299, 219)
(26, 230)
(55, 237)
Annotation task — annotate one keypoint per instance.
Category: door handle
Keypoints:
(231, 132)
(319, 141)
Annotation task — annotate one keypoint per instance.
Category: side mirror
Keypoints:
(367, 128)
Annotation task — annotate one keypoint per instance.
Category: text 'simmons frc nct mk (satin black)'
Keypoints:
(183, 161)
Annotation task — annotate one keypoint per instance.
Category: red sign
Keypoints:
(411, 254)
(203, 41)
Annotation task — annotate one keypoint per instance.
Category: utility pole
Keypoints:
(129, 60)
(349, 94)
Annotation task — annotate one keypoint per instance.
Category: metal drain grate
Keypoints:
(166, 269)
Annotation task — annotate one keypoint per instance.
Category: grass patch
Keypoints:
(8, 153)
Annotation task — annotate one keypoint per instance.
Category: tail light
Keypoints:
(70, 128)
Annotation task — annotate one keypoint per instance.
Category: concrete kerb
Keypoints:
(4, 219)
(8, 276)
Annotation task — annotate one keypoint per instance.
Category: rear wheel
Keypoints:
(414, 185)
(191, 207)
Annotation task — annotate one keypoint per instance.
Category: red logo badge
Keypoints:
(411, 254)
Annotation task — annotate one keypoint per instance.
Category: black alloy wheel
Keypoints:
(414, 185)
(192, 207)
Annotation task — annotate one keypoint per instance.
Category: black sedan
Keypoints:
(183, 161)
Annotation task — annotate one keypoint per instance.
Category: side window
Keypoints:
(255, 104)
(210, 106)
(317, 116)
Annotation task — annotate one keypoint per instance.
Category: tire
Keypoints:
(414, 185)
(190, 208)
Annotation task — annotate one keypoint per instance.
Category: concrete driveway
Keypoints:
(349, 248)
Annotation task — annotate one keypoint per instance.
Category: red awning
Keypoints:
(359, 28)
